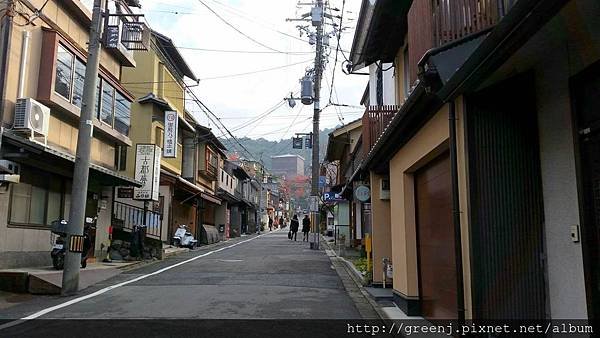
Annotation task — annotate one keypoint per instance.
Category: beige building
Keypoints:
(490, 156)
(42, 72)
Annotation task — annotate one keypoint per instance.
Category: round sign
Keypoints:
(362, 193)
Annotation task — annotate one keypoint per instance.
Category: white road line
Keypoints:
(112, 287)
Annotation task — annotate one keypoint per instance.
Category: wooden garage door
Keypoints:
(437, 268)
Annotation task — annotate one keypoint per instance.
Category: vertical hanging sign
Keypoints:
(170, 139)
(147, 172)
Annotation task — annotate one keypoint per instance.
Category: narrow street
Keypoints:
(261, 277)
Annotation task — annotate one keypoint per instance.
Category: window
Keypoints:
(121, 158)
(64, 72)
(106, 112)
(159, 136)
(122, 114)
(38, 200)
(78, 80)
(111, 107)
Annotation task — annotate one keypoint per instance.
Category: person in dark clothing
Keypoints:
(305, 228)
(294, 225)
(281, 225)
(270, 223)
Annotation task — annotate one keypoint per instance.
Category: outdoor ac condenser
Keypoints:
(31, 116)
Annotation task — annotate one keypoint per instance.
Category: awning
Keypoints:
(106, 176)
(189, 185)
(210, 198)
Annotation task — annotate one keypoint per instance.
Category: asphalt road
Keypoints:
(267, 277)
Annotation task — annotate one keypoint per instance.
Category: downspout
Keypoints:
(460, 291)
(6, 28)
(24, 63)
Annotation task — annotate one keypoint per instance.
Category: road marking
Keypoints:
(112, 287)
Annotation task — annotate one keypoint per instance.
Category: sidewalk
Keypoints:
(378, 298)
(47, 280)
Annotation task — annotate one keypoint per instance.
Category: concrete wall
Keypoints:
(381, 236)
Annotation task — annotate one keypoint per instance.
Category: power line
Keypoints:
(236, 29)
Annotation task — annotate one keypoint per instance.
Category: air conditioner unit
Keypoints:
(32, 116)
(384, 189)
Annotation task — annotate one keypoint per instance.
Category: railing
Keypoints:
(128, 216)
(374, 122)
(434, 23)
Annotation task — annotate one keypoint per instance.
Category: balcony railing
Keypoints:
(127, 216)
(433, 23)
(375, 120)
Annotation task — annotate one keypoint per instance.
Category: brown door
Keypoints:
(437, 268)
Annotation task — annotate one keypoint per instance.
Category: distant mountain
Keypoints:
(282, 147)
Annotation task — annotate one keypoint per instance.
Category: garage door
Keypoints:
(437, 269)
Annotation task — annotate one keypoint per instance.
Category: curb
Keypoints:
(358, 281)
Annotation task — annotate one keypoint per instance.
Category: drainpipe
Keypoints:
(24, 63)
(6, 28)
(460, 291)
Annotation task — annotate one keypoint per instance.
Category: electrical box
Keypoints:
(307, 90)
(575, 233)
(384, 189)
(317, 16)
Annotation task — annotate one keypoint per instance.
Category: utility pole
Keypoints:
(316, 117)
(70, 281)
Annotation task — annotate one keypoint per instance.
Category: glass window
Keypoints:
(64, 72)
(122, 114)
(98, 94)
(20, 197)
(78, 80)
(54, 201)
(38, 201)
(108, 95)
(121, 158)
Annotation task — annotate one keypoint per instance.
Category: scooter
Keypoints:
(184, 238)
(59, 227)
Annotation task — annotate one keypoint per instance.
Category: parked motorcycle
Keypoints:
(59, 228)
(184, 238)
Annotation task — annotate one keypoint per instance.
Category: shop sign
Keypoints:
(125, 192)
(362, 193)
(147, 171)
(170, 139)
(332, 197)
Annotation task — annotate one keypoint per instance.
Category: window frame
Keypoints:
(47, 189)
(116, 90)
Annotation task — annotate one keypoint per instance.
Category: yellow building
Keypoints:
(186, 183)
(42, 69)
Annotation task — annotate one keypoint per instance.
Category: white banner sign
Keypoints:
(170, 139)
(147, 171)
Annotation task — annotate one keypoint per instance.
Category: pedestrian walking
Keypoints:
(305, 228)
(281, 224)
(294, 225)
(270, 223)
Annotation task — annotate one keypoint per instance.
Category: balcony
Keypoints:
(374, 122)
(434, 23)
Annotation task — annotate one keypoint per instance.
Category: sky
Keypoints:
(238, 100)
